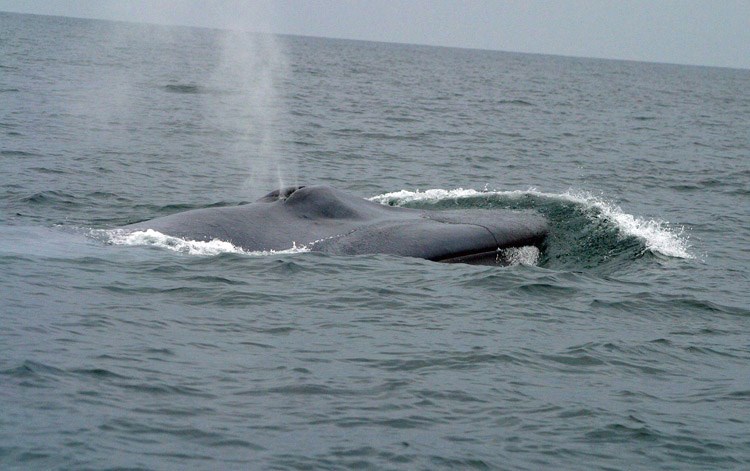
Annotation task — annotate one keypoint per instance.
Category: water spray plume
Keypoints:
(249, 73)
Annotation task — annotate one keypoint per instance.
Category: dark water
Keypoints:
(624, 345)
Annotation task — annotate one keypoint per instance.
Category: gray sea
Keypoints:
(623, 345)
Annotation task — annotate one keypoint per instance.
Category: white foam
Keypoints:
(527, 256)
(154, 238)
(432, 196)
(657, 235)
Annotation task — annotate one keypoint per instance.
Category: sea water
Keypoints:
(624, 344)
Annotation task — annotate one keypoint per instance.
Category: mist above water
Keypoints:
(224, 99)
(247, 112)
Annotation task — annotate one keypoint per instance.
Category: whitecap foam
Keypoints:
(434, 195)
(658, 236)
(527, 256)
(154, 238)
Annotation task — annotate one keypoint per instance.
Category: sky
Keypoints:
(697, 32)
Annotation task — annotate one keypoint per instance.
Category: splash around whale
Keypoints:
(332, 221)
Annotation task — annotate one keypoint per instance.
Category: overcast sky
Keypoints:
(701, 32)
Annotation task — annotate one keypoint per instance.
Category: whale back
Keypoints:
(329, 220)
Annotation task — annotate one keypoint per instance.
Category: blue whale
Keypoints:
(332, 221)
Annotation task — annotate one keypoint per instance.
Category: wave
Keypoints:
(594, 229)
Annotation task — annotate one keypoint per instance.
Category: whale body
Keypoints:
(328, 220)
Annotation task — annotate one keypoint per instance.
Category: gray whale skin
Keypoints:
(328, 220)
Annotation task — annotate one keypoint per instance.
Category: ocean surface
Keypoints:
(623, 345)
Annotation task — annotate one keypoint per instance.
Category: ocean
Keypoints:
(624, 344)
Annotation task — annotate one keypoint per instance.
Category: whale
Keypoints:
(333, 221)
